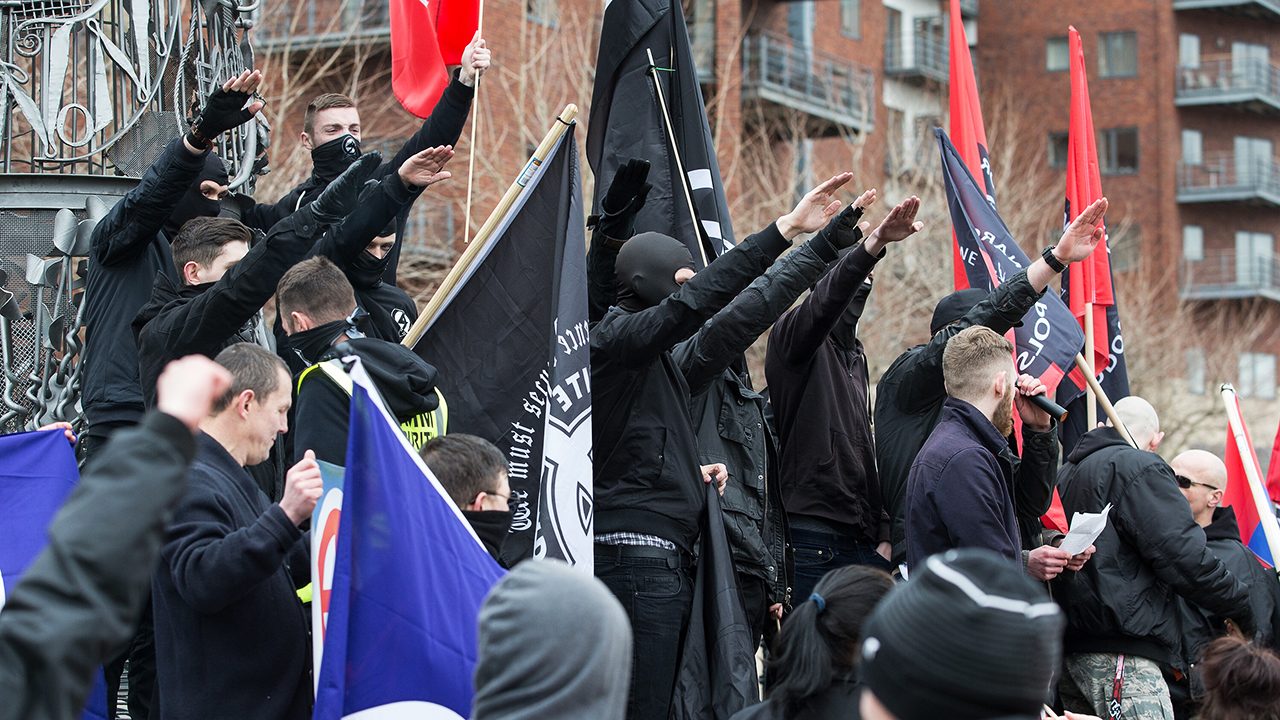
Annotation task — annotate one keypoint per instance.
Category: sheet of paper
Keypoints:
(1085, 528)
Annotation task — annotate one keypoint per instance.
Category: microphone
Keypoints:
(1056, 411)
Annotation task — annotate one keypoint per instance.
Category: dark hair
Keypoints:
(318, 288)
(818, 646)
(252, 367)
(1241, 681)
(323, 102)
(465, 464)
(201, 239)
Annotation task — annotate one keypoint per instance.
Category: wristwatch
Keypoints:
(1052, 260)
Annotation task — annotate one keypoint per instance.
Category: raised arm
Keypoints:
(616, 224)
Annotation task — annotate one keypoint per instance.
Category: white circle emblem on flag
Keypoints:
(408, 710)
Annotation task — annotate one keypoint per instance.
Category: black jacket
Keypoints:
(646, 454)
(180, 320)
(127, 253)
(232, 637)
(909, 396)
(822, 409)
(1199, 628)
(838, 702)
(730, 415)
(407, 384)
(80, 599)
(1123, 600)
(442, 127)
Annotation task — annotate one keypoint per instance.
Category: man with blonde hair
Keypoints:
(961, 488)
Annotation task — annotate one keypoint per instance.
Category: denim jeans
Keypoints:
(818, 553)
(657, 599)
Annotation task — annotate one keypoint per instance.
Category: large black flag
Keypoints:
(626, 121)
(511, 347)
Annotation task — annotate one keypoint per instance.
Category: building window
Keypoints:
(1255, 259)
(896, 140)
(546, 12)
(1056, 54)
(1195, 371)
(804, 167)
(1192, 243)
(1257, 376)
(1123, 248)
(1118, 151)
(1192, 147)
(1058, 149)
(851, 18)
(1118, 54)
(1188, 51)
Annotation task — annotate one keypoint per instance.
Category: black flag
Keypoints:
(511, 347)
(627, 121)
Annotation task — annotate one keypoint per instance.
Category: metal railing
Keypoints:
(1225, 177)
(1228, 274)
(922, 53)
(776, 70)
(324, 23)
(1223, 81)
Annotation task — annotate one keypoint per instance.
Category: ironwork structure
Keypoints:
(839, 95)
(91, 91)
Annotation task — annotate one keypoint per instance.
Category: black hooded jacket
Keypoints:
(407, 384)
(127, 253)
(647, 476)
(910, 394)
(1151, 551)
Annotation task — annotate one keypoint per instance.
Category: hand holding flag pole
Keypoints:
(477, 43)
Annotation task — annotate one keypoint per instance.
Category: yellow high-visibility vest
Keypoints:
(419, 429)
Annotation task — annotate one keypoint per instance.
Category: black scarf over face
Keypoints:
(330, 159)
(366, 270)
(311, 345)
(847, 326)
(646, 270)
(491, 527)
(193, 203)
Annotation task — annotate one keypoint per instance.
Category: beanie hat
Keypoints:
(955, 306)
(970, 637)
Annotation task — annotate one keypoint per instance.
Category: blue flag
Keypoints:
(1046, 344)
(409, 578)
(37, 475)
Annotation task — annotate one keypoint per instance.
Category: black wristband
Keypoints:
(1052, 261)
(197, 140)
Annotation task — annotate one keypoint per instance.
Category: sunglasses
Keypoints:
(1185, 483)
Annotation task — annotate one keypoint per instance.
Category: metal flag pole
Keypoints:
(675, 156)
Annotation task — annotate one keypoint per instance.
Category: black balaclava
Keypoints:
(366, 270)
(194, 204)
(311, 345)
(646, 270)
(846, 329)
(330, 159)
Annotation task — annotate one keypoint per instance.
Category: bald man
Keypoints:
(1202, 477)
(1141, 421)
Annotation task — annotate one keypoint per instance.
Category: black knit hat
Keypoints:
(955, 306)
(970, 637)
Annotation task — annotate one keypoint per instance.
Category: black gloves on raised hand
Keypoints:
(224, 110)
(624, 199)
(343, 193)
(843, 231)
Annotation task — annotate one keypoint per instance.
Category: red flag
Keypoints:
(426, 36)
(1273, 469)
(456, 24)
(1089, 281)
(967, 131)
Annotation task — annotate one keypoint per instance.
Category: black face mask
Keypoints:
(365, 271)
(330, 159)
(311, 345)
(193, 203)
(646, 269)
(491, 526)
(847, 326)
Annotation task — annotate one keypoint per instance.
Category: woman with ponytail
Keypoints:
(813, 673)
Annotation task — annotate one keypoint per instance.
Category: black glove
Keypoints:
(624, 199)
(343, 193)
(843, 231)
(223, 111)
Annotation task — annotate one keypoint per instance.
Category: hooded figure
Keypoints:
(646, 269)
(554, 643)
(193, 203)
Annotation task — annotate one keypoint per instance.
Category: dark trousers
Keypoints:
(818, 553)
(657, 594)
(755, 600)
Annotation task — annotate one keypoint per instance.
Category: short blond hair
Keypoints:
(972, 358)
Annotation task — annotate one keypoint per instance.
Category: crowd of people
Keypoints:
(889, 554)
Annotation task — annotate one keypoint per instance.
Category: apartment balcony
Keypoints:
(1264, 9)
(1250, 85)
(1224, 177)
(1226, 274)
(920, 55)
(324, 24)
(780, 77)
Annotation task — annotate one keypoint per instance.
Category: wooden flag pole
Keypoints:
(1091, 412)
(471, 148)
(1257, 489)
(675, 155)
(469, 255)
(1101, 394)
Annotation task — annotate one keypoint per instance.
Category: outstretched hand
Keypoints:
(427, 167)
(897, 226)
(227, 107)
(813, 211)
(1084, 233)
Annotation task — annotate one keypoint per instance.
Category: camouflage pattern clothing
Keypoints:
(1088, 682)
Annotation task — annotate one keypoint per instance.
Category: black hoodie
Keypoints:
(407, 384)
